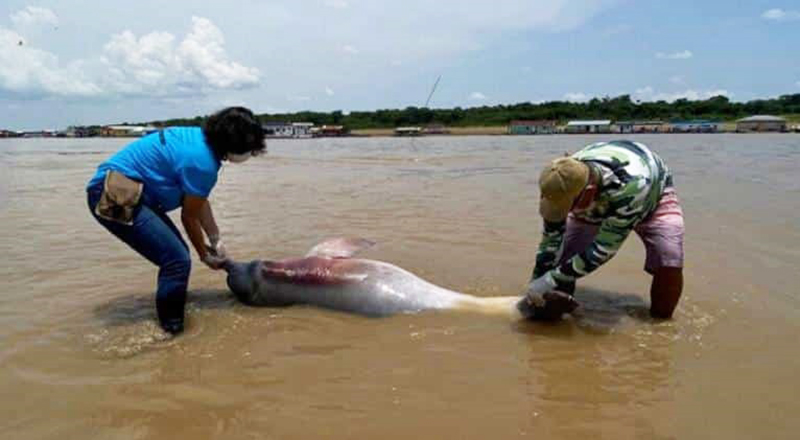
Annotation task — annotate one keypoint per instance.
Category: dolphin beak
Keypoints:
(228, 265)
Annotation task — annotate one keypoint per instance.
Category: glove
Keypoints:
(538, 287)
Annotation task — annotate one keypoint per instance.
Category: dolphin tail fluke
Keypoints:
(340, 247)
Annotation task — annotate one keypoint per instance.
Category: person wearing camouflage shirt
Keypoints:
(590, 202)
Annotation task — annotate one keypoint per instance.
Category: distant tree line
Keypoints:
(718, 108)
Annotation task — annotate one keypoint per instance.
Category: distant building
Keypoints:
(38, 134)
(594, 126)
(302, 129)
(126, 130)
(81, 131)
(761, 123)
(408, 131)
(9, 134)
(532, 127)
(694, 126)
(278, 130)
(331, 131)
(640, 126)
(435, 129)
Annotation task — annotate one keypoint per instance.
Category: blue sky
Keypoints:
(78, 62)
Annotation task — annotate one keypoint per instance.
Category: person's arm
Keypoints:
(191, 215)
(612, 233)
(549, 248)
(208, 223)
(626, 206)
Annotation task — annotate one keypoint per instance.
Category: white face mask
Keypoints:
(239, 158)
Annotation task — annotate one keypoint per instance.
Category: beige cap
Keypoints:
(560, 183)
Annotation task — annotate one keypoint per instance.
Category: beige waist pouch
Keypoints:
(120, 196)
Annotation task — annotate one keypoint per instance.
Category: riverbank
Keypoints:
(451, 131)
(726, 127)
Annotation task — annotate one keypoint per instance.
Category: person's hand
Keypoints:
(213, 261)
(538, 287)
(217, 247)
(543, 302)
(554, 305)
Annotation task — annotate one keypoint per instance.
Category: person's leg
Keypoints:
(173, 281)
(154, 237)
(662, 235)
(665, 291)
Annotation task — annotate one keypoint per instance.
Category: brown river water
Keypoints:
(81, 355)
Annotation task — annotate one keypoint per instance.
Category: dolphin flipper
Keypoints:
(340, 247)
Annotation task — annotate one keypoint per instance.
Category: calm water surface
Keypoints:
(81, 356)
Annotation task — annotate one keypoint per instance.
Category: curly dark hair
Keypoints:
(234, 130)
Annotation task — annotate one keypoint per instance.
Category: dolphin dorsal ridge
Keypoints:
(340, 247)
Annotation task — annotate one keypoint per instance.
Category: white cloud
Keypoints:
(797, 83)
(33, 16)
(649, 94)
(780, 15)
(337, 4)
(677, 79)
(298, 98)
(477, 96)
(576, 97)
(350, 49)
(155, 64)
(682, 55)
(25, 70)
(329, 91)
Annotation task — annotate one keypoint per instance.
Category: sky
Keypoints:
(73, 62)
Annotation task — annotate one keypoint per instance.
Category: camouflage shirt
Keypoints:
(632, 179)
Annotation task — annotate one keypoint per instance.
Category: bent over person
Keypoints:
(590, 202)
(131, 193)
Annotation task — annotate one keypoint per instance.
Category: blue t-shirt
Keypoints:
(171, 163)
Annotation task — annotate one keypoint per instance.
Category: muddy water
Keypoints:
(81, 357)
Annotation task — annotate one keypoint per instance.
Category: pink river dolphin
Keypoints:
(329, 277)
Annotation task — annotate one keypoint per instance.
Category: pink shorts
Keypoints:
(662, 234)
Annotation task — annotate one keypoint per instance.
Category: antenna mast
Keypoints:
(433, 89)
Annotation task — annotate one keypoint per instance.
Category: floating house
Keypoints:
(593, 126)
(276, 129)
(330, 131)
(408, 131)
(126, 130)
(640, 126)
(287, 130)
(694, 126)
(523, 127)
(9, 134)
(82, 131)
(435, 129)
(302, 129)
(761, 123)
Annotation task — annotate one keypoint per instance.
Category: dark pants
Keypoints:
(155, 237)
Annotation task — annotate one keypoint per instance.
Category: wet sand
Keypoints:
(81, 356)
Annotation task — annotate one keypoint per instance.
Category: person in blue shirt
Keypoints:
(131, 193)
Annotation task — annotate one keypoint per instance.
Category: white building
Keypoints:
(302, 129)
(592, 126)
